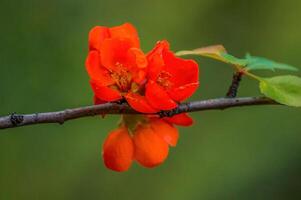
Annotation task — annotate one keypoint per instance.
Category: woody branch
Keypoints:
(17, 120)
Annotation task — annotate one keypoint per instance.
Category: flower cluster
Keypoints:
(152, 82)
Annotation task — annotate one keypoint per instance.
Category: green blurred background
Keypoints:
(241, 153)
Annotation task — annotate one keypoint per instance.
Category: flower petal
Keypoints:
(166, 131)
(182, 119)
(155, 59)
(118, 150)
(136, 63)
(137, 58)
(105, 93)
(114, 53)
(158, 98)
(96, 36)
(183, 71)
(139, 103)
(150, 149)
(183, 92)
(96, 71)
(126, 30)
(139, 76)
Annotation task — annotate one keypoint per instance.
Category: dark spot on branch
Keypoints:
(175, 111)
(16, 119)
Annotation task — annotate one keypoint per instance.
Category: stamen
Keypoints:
(122, 77)
(163, 79)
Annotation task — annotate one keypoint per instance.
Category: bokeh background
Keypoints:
(241, 153)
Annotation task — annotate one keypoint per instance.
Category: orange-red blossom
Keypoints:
(147, 143)
(118, 69)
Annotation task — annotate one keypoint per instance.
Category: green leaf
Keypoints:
(258, 63)
(214, 52)
(283, 89)
(218, 52)
(233, 60)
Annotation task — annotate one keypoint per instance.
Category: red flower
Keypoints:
(115, 63)
(170, 79)
(148, 145)
(118, 68)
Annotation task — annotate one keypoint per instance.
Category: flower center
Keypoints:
(122, 77)
(163, 79)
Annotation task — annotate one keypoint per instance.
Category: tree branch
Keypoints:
(17, 120)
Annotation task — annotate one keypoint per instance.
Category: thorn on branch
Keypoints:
(16, 119)
(232, 91)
